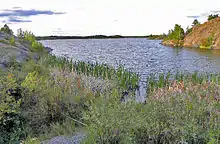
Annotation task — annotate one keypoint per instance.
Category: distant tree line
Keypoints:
(156, 37)
(86, 37)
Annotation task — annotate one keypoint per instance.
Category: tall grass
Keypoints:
(163, 80)
(126, 80)
(181, 108)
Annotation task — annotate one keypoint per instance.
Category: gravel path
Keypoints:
(76, 139)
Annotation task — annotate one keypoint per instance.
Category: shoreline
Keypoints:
(153, 37)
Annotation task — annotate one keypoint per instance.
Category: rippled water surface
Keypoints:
(139, 55)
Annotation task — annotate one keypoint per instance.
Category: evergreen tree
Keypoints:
(6, 29)
(211, 17)
(195, 23)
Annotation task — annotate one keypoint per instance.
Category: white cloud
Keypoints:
(125, 17)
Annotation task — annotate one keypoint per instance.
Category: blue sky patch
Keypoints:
(17, 15)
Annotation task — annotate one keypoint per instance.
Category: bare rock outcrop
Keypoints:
(204, 34)
(21, 50)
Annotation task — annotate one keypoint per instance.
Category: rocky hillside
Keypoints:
(206, 35)
(20, 50)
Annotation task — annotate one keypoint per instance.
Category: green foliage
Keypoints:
(176, 34)
(12, 63)
(36, 66)
(29, 36)
(169, 116)
(26, 35)
(54, 96)
(195, 23)
(207, 42)
(212, 16)
(36, 46)
(125, 79)
(30, 140)
(52, 99)
(20, 33)
(68, 127)
(156, 37)
(11, 122)
(8, 103)
(188, 30)
(6, 30)
(12, 41)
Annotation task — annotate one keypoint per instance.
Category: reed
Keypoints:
(156, 81)
(126, 80)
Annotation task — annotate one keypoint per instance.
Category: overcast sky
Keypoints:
(108, 17)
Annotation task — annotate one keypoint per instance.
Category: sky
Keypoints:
(107, 17)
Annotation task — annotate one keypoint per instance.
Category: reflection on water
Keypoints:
(139, 55)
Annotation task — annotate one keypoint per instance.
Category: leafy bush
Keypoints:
(11, 122)
(53, 99)
(29, 36)
(26, 35)
(37, 47)
(176, 34)
(12, 41)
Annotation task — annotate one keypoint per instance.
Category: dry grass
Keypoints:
(205, 92)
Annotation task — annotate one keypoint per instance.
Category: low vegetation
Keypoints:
(156, 37)
(29, 37)
(212, 16)
(52, 96)
(12, 41)
(176, 34)
(207, 42)
(194, 24)
(175, 37)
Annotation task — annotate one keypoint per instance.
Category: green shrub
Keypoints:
(33, 65)
(176, 34)
(188, 30)
(67, 128)
(37, 46)
(49, 100)
(12, 41)
(29, 36)
(11, 122)
(30, 140)
(207, 42)
(12, 63)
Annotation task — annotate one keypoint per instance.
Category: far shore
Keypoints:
(95, 37)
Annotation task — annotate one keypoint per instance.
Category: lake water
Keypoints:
(142, 56)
